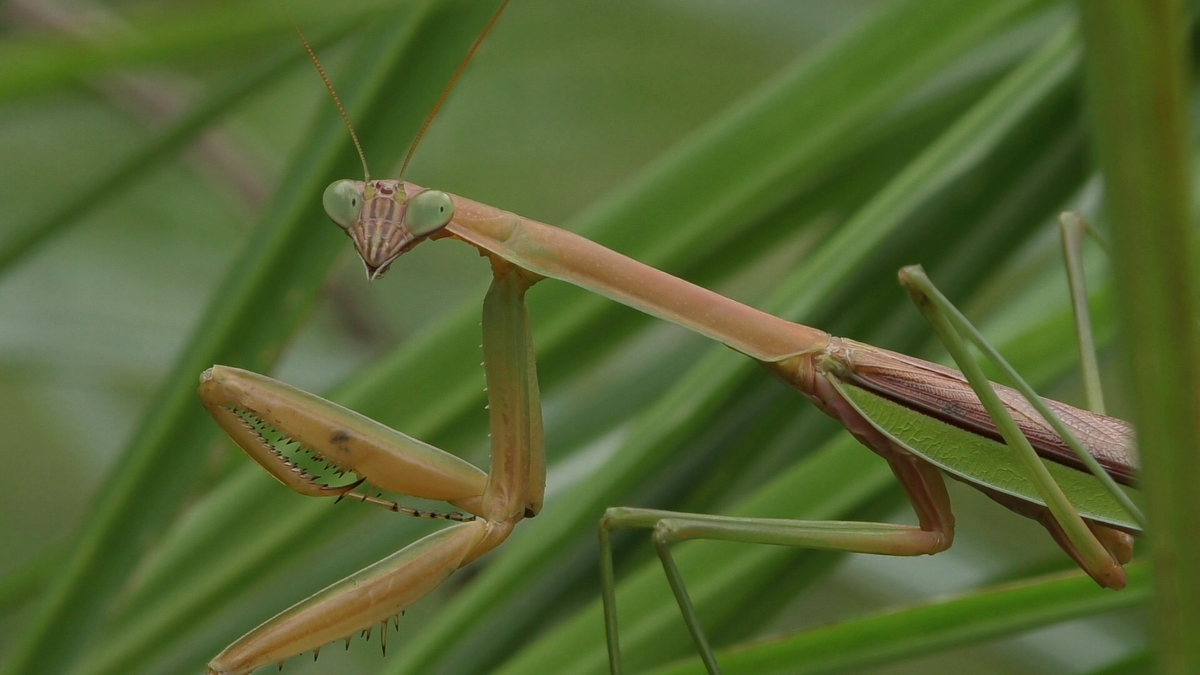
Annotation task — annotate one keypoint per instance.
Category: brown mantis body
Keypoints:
(522, 252)
(847, 380)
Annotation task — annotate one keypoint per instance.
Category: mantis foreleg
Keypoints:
(247, 406)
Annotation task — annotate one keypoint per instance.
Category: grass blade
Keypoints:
(943, 624)
(1139, 87)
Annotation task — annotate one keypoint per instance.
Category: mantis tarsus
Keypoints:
(878, 395)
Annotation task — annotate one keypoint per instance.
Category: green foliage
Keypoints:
(791, 155)
(1140, 87)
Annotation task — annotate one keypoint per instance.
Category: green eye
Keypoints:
(343, 202)
(428, 211)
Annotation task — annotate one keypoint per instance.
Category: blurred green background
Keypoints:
(576, 114)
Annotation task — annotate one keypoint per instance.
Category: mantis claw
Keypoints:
(275, 424)
(278, 425)
(346, 490)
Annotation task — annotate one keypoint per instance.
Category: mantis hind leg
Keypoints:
(1119, 544)
(1081, 540)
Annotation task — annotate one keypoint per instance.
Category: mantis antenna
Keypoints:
(428, 118)
(449, 85)
(328, 85)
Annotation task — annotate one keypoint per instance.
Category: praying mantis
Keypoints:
(856, 384)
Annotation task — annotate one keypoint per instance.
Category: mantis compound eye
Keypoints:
(428, 212)
(343, 202)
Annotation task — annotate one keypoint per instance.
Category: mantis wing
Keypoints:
(982, 461)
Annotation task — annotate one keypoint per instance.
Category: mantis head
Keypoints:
(383, 220)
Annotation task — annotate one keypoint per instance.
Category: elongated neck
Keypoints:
(552, 252)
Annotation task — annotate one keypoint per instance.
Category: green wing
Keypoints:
(983, 461)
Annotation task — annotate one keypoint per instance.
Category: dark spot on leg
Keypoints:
(339, 436)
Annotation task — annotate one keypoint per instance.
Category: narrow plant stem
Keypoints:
(1137, 56)
(1073, 226)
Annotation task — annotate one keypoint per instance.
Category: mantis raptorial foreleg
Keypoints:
(246, 405)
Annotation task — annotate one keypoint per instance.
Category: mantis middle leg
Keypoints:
(922, 483)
